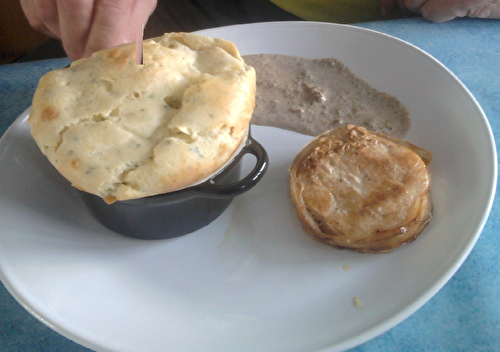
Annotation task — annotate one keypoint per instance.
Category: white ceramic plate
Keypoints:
(252, 280)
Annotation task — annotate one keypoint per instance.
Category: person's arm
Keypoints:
(445, 10)
(86, 26)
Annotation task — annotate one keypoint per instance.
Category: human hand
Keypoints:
(445, 10)
(86, 26)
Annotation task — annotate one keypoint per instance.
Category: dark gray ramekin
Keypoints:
(181, 212)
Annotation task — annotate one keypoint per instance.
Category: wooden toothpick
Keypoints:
(139, 57)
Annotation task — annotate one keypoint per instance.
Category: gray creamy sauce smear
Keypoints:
(311, 96)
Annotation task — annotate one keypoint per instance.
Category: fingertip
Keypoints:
(73, 52)
(437, 14)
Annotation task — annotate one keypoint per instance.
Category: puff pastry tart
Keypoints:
(360, 190)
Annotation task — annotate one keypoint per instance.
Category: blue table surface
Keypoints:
(463, 316)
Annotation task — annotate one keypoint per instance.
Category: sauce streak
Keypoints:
(311, 96)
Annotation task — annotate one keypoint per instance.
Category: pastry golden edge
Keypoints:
(382, 240)
(124, 131)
